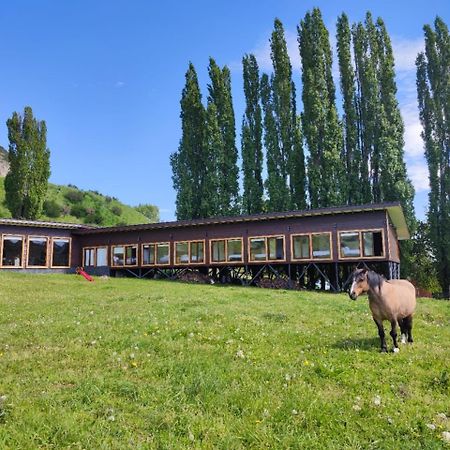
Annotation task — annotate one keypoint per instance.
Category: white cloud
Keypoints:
(405, 52)
(119, 84)
(418, 173)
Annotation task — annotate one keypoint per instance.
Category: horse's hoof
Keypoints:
(383, 350)
(396, 350)
(403, 339)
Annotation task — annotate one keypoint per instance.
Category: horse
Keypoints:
(393, 300)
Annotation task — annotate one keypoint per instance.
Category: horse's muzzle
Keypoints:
(352, 295)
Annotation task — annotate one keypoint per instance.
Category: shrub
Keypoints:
(79, 211)
(74, 196)
(116, 210)
(52, 208)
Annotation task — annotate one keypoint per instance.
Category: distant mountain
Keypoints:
(4, 164)
(70, 204)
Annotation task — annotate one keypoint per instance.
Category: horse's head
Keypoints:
(360, 283)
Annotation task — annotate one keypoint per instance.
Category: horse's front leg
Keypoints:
(394, 335)
(379, 324)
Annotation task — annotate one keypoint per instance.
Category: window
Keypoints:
(350, 244)
(301, 248)
(270, 248)
(218, 251)
(148, 254)
(197, 252)
(234, 250)
(37, 252)
(60, 252)
(191, 252)
(12, 251)
(124, 255)
(181, 253)
(373, 243)
(118, 256)
(89, 257)
(321, 246)
(95, 257)
(162, 253)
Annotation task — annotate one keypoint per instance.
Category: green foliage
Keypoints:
(74, 195)
(29, 160)
(251, 139)
(52, 208)
(433, 91)
(149, 211)
(227, 198)
(164, 365)
(116, 210)
(321, 126)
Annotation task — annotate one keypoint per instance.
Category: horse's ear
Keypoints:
(364, 271)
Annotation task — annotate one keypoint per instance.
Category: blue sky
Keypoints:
(107, 77)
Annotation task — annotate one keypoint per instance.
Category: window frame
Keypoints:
(95, 248)
(311, 256)
(22, 260)
(155, 251)
(47, 252)
(360, 231)
(267, 260)
(309, 246)
(189, 263)
(227, 261)
(62, 238)
(124, 255)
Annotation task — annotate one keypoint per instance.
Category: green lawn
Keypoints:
(126, 363)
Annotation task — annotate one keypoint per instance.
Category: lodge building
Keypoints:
(308, 247)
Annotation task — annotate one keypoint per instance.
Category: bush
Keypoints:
(79, 211)
(116, 210)
(74, 196)
(52, 208)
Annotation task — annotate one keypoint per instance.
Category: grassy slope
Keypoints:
(125, 363)
(91, 200)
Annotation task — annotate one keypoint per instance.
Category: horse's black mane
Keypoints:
(375, 280)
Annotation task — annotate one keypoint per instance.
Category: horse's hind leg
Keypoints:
(379, 324)
(408, 321)
(394, 334)
(404, 329)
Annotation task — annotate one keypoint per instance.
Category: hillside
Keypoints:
(4, 164)
(70, 204)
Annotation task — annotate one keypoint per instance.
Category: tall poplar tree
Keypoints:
(188, 162)
(251, 140)
(29, 159)
(352, 151)
(321, 126)
(433, 91)
(228, 180)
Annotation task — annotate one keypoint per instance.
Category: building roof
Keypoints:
(44, 224)
(394, 210)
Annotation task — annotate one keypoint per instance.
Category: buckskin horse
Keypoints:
(393, 300)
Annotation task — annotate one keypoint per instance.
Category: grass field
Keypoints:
(125, 363)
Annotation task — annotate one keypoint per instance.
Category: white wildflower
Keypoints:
(357, 407)
(287, 377)
(441, 416)
(377, 400)
(266, 412)
(431, 426)
(240, 354)
(111, 418)
(294, 412)
(191, 436)
(446, 436)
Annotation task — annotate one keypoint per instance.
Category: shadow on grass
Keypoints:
(370, 344)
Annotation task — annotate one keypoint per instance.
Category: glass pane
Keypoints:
(373, 243)
(131, 255)
(88, 257)
(276, 248)
(350, 245)
(61, 252)
(148, 254)
(12, 251)
(301, 247)
(37, 252)
(196, 252)
(162, 253)
(102, 257)
(181, 253)
(258, 249)
(118, 256)
(234, 250)
(218, 251)
(321, 246)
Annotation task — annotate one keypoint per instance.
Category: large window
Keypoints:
(60, 252)
(226, 250)
(124, 255)
(301, 247)
(266, 248)
(148, 254)
(95, 256)
(321, 246)
(163, 253)
(37, 251)
(155, 254)
(358, 244)
(12, 251)
(189, 252)
(350, 244)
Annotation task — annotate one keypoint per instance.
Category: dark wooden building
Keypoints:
(308, 248)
